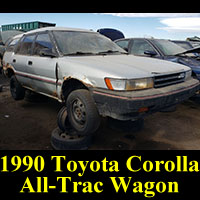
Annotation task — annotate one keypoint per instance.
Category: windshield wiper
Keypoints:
(78, 53)
(110, 51)
(90, 53)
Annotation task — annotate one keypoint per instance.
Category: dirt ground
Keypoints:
(28, 126)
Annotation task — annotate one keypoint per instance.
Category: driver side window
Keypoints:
(42, 42)
(140, 46)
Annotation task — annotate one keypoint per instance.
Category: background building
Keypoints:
(26, 26)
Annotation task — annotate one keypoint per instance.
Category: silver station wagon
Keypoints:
(93, 76)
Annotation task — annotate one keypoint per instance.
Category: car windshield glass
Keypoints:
(168, 48)
(85, 43)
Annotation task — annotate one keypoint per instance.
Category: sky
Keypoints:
(177, 26)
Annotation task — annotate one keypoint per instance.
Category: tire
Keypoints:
(62, 120)
(17, 91)
(82, 112)
(63, 141)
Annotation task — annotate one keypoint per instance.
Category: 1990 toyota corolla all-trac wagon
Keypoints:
(93, 76)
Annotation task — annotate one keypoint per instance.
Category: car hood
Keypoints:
(121, 66)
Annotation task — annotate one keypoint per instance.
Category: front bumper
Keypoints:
(126, 105)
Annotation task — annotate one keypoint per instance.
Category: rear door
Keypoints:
(42, 67)
(20, 60)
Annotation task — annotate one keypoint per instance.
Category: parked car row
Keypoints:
(163, 49)
(94, 77)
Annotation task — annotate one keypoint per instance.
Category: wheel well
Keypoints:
(10, 72)
(70, 85)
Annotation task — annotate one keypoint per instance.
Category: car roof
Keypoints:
(58, 29)
(137, 38)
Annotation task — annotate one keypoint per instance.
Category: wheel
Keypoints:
(62, 120)
(82, 112)
(62, 141)
(17, 91)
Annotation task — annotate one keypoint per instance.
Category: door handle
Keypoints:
(30, 62)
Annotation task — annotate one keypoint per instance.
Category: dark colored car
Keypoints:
(187, 45)
(113, 34)
(162, 49)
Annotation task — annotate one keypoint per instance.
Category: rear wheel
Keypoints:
(17, 91)
(82, 112)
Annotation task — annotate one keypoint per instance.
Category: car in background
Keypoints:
(5, 37)
(9, 48)
(161, 49)
(183, 43)
(187, 45)
(111, 33)
(195, 41)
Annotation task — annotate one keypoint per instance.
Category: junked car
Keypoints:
(188, 46)
(94, 77)
(162, 49)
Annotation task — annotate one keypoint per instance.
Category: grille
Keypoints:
(169, 79)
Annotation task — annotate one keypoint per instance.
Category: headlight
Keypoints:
(188, 74)
(123, 84)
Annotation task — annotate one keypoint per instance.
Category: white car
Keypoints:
(94, 76)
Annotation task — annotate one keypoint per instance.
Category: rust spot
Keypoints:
(8, 66)
(55, 94)
(67, 78)
(83, 82)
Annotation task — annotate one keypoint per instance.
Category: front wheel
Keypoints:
(82, 112)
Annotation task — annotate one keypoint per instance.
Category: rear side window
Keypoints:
(12, 45)
(42, 42)
(25, 46)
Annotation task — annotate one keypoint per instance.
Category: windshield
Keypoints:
(74, 42)
(168, 48)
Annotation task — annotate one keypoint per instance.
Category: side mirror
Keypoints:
(150, 53)
(47, 52)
